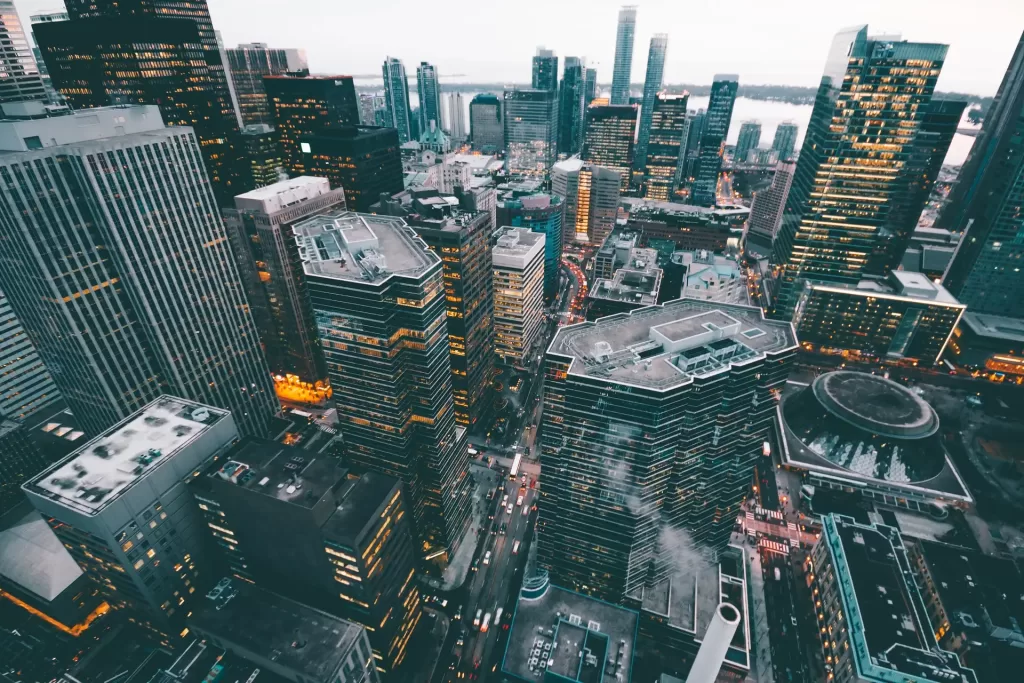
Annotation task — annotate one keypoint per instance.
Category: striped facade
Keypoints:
(25, 384)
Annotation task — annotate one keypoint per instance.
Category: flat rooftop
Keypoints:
(361, 247)
(102, 469)
(358, 501)
(665, 346)
(287, 473)
(994, 326)
(284, 194)
(630, 285)
(297, 637)
(888, 623)
(901, 284)
(516, 247)
(595, 639)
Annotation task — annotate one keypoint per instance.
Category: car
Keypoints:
(504, 500)
(509, 508)
(473, 451)
(523, 481)
(519, 500)
(526, 510)
(476, 565)
(476, 619)
(487, 557)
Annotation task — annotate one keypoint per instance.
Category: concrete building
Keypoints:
(748, 140)
(22, 80)
(543, 213)
(991, 344)
(301, 525)
(545, 70)
(766, 209)
(396, 99)
(930, 252)
(665, 150)
(634, 285)
(456, 117)
(614, 252)
(902, 319)
(121, 506)
(860, 433)
(115, 321)
(486, 124)
(623, 54)
(260, 229)
(284, 638)
(714, 132)
(652, 86)
(363, 161)
(462, 240)
(248, 64)
(531, 130)
(608, 139)
(689, 227)
(845, 215)
(711, 277)
(302, 106)
(616, 395)
(26, 386)
(591, 197)
(785, 140)
(377, 293)
(874, 625)
(518, 264)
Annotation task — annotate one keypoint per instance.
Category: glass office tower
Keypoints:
(666, 149)
(571, 107)
(396, 99)
(652, 86)
(608, 140)
(623, 54)
(531, 130)
(712, 140)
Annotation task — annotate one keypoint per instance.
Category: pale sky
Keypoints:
(781, 42)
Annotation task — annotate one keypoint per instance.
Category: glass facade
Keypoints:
(364, 161)
(749, 139)
(21, 80)
(429, 92)
(486, 126)
(531, 130)
(545, 70)
(608, 141)
(624, 35)
(26, 386)
(248, 65)
(652, 86)
(571, 107)
(666, 148)
(785, 140)
(396, 99)
(518, 293)
(714, 131)
(541, 213)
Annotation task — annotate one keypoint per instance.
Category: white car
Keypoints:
(519, 500)
(487, 557)
(510, 508)
(476, 619)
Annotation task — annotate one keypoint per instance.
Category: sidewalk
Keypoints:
(760, 653)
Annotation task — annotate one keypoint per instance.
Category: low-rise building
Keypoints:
(990, 344)
(874, 624)
(930, 251)
(902, 319)
(614, 252)
(711, 277)
(518, 260)
(634, 285)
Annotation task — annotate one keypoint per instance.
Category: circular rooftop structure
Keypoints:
(867, 425)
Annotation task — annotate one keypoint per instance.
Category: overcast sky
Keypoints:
(764, 41)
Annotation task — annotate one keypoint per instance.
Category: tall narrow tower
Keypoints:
(430, 95)
(652, 85)
(623, 54)
(21, 79)
(396, 98)
(712, 139)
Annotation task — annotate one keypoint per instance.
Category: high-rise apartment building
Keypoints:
(712, 140)
(545, 70)
(150, 301)
(486, 125)
(396, 99)
(302, 106)
(844, 210)
(296, 523)
(248, 64)
(589, 86)
(26, 386)
(623, 55)
(666, 147)
(985, 273)
(652, 86)
(608, 140)
(21, 79)
(121, 506)
(260, 229)
(518, 265)
(749, 139)
(571, 107)
(378, 298)
(258, 161)
(543, 213)
(695, 129)
(531, 130)
(456, 116)
(161, 52)
(766, 209)
(429, 91)
(362, 160)
(462, 240)
(591, 197)
(653, 422)
(785, 140)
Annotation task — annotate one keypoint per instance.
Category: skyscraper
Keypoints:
(248, 64)
(21, 79)
(749, 138)
(161, 52)
(371, 106)
(620, 394)
(785, 140)
(652, 86)
(43, 17)
(608, 140)
(591, 197)
(518, 267)
(378, 297)
(571, 107)
(666, 149)
(26, 386)
(456, 117)
(531, 130)
(590, 87)
(396, 98)
(543, 213)
(844, 207)
(150, 301)
(429, 92)
(623, 54)
(985, 272)
(545, 70)
(362, 160)
(712, 140)
(260, 229)
(257, 157)
(766, 209)
(695, 129)
(309, 105)
(486, 125)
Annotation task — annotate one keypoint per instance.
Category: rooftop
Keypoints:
(642, 207)
(516, 247)
(888, 623)
(33, 557)
(361, 247)
(569, 165)
(901, 284)
(664, 346)
(283, 194)
(876, 404)
(994, 326)
(595, 639)
(292, 635)
(636, 282)
(78, 127)
(358, 501)
(102, 469)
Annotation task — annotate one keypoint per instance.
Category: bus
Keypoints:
(514, 472)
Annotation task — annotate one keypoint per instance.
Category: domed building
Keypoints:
(858, 431)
